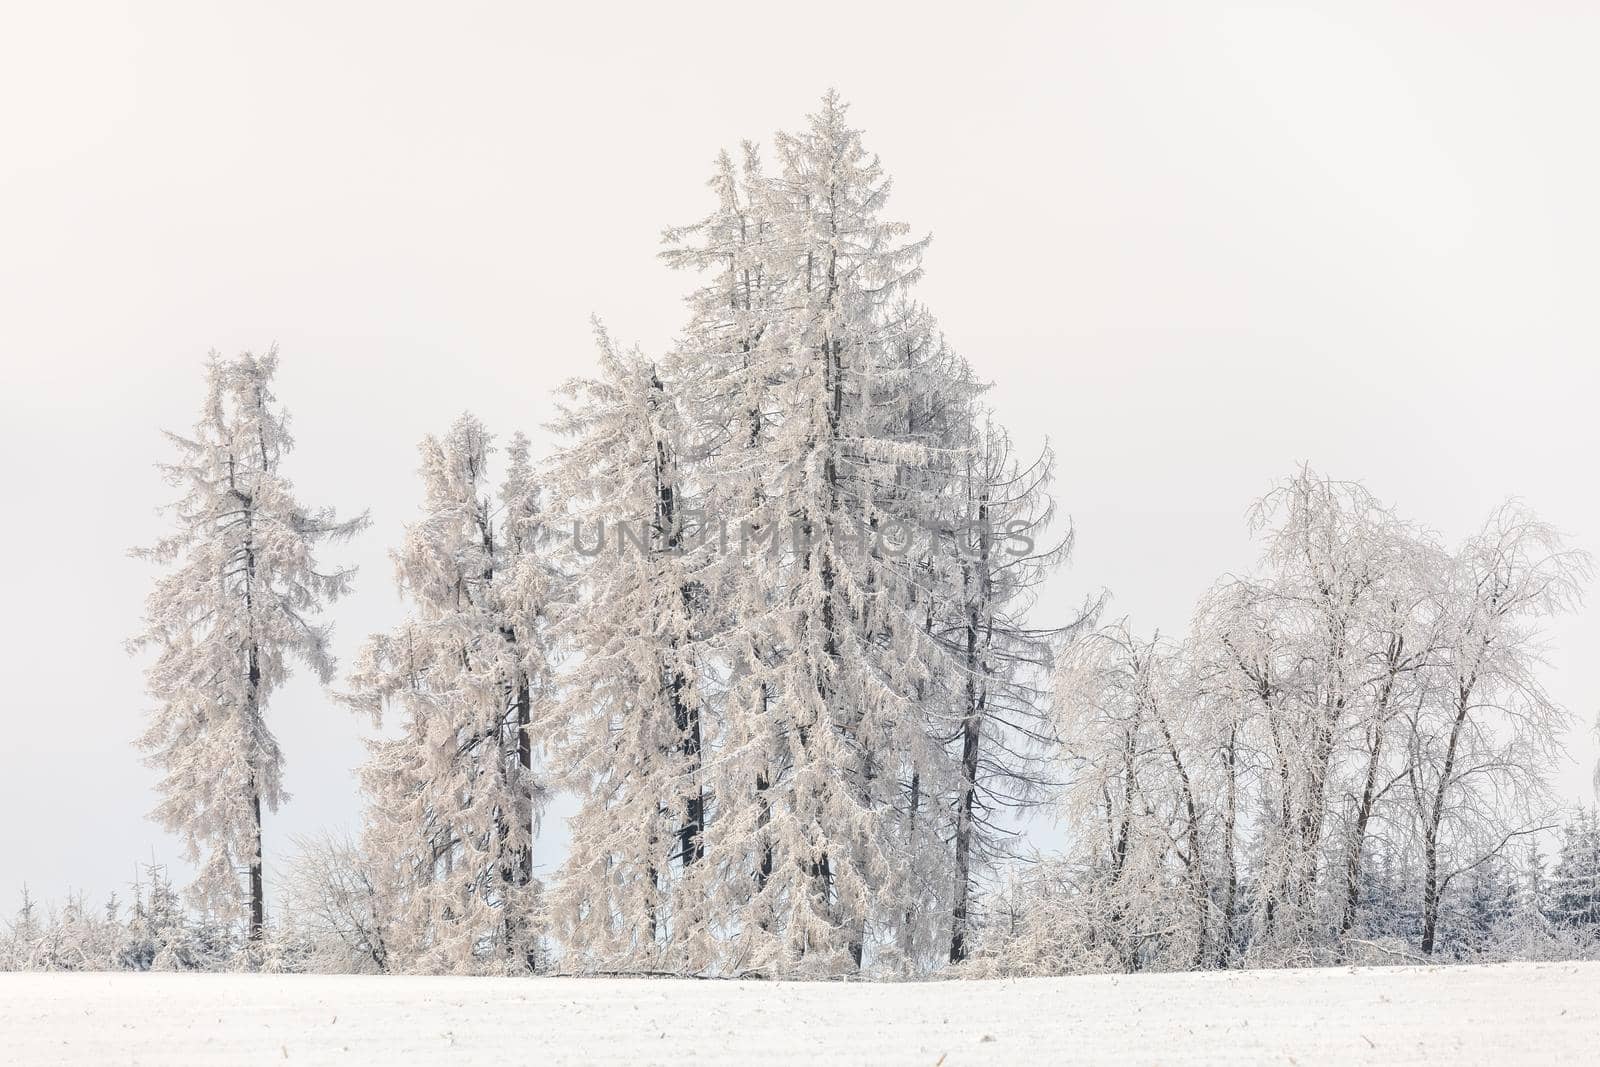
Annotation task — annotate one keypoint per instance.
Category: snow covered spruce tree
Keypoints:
(927, 396)
(634, 892)
(1574, 889)
(239, 605)
(828, 427)
(725, 370)
(454, 799)
(795, 376)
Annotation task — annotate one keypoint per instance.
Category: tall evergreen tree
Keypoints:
(240, 603)
(455, 798)
(726, 368)
(823, 718)
(1003, 736)
(632, 894)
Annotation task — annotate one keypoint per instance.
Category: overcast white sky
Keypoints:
(1195, 244)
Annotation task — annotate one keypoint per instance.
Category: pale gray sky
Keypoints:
(1195, 244)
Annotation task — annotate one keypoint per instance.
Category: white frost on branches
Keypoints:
(454, 796)
(240, 602)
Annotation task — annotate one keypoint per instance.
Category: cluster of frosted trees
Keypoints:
(153, 930)
(765, 611)
(1345, 751)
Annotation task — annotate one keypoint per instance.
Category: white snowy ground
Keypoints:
(1516, 1013)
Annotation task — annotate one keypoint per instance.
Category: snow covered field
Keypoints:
(1514, 1013)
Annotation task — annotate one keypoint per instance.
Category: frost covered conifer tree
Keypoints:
(789, 367)
(239, 604)
(726, 369)
(634, 893)
(158, 935)
(1574, 889)
(923, 396)
(454, 799)
(17, 948)
(827, 424)
(996, 563)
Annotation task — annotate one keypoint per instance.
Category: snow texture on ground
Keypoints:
(1513, 1013)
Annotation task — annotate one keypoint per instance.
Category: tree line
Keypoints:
(802, 695)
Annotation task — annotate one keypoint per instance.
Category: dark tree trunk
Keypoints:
(258, 900)
(691, 835)
(1432, 885)
(525, 762)
(1195, 860)
(908, 941)
(959, 945)
(258, 903)
(1369, 789)
(1352, 868)
(977, 591)
(1430, 893)
(1230, 896)
(685, 712)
